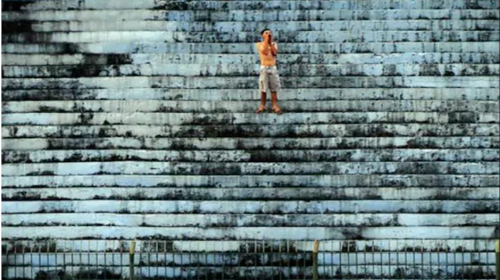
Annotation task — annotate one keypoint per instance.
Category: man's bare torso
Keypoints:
(267, 52)
(266, 55)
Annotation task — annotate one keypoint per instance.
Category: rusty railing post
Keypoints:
(315, 259)
(497, 257)
(131, 260)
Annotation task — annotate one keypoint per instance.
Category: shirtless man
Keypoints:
(269, 78)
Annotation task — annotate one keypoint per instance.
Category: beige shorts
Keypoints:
(269, 79)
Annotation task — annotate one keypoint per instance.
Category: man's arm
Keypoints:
(274, 48)
(263, 48)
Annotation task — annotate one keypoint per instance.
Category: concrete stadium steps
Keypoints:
(245, 118)
(252, 37)
(74, 106)
(247, 5)
(295, 130)
(138, 59)
(251, 233)
(235, 26)
(346, 14)
(242, 95)
(245, 48)
(248, 168)
(126, 120)
(250, 220)
(357, 155)
(282, 193)
(246, 143)
(236, 70)
(255, 207)
(245, 82)
(263, 181)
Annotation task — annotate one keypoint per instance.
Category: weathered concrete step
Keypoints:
(245, 220)
(429, 246)
(226, 95)
(294, 269)
(231, 26)
(358, 155)
(252, 207)
(250, 233)
(256, 15)
(144, 106)
(262, 168)
(248, 143)
(249, 194)
(244, 48)
(280, 131)
(263, 181)
(71, 59)
(245, 118)
(293, 266)
(138, 58)
(246, 5)
(248, 82)
(236, 70)
(298, 271)
(252, 37)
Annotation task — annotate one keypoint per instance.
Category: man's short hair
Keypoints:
(262, 32)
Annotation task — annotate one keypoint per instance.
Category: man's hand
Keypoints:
(274, 48)
(268, 38)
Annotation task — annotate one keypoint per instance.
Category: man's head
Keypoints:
(266, 34)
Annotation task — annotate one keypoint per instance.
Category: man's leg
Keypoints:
(274, 100)
(275, 85)
(263, 98)
(263, 92)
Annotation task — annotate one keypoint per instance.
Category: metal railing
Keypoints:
(380, 259)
